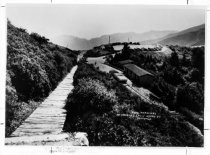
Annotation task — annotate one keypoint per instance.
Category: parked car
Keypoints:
(120, 77)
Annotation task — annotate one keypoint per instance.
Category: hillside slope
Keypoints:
(34, 68)
(190, 37)
(112, 115)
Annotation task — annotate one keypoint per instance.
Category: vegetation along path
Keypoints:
(46, 122)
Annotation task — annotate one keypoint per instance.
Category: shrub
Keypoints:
(194, 76)
(38, 38)
(191, 96)
(30, 80)
(198, 59)
(34, 68)
(174, 59)
(89, 110)
(92, 94)
(22, 30)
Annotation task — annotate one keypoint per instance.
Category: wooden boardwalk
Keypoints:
(48, 119)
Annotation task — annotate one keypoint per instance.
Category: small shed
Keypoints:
(139, 75)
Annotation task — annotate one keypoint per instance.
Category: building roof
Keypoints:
(137, 70)
(125, 62)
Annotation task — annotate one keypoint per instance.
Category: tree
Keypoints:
(126, 51)
(198, 59)
(174, 59)
(191, 96)
(195, 75)
(172, 75)
(184, 60)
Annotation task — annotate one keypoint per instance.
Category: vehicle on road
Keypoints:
(120, 77)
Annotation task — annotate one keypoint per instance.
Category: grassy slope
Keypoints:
(34, 68)
(90, 112)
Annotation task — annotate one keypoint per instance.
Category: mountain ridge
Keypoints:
(193, 36)
(77, 43)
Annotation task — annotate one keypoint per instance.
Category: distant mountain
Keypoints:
(194, 36)
(72, 42)
(190, 37)
(76, 43)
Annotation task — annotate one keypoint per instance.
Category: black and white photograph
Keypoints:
(105, 75)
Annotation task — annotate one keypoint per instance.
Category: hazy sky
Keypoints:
(89, 21)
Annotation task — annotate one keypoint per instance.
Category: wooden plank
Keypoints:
(48, 118)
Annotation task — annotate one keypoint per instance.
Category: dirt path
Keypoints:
(48, 119)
